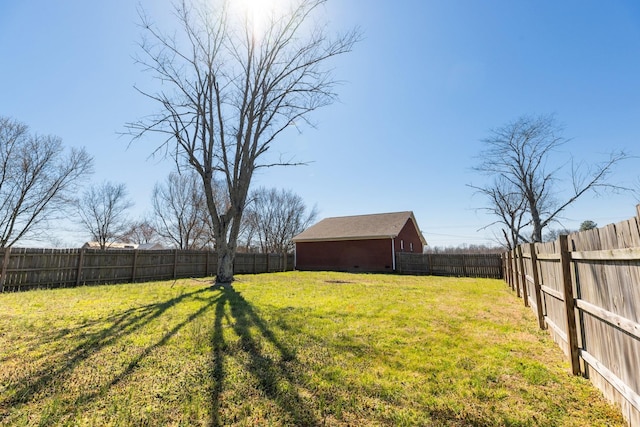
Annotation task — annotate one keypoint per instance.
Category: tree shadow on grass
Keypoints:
(60, 368)
(275, 374)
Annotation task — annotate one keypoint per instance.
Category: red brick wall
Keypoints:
(410, 236)
(346, 255)
(357, 255)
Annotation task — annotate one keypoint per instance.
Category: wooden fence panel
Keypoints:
(548, 255)
(462, 265)
(26, 268)
(608, 280)
(154, 265)
(599, 270)
(190, 264)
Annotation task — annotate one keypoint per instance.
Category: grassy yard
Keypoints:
(296, 349)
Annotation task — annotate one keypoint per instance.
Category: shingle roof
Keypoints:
(358, 227)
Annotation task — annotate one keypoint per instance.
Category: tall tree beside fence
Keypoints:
(525, 189)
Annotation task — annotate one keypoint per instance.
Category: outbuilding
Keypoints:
(366, 243)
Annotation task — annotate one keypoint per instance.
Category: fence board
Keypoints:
(27, 268)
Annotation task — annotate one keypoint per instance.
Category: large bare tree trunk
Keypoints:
(226, 258)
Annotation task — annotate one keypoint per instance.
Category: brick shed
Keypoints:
(365, 243)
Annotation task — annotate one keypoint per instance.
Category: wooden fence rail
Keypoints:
(585, 289)
(462, 265)
(24, 269)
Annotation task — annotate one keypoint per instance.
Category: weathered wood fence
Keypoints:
(585, 288)
(463, 265)
(24, 269)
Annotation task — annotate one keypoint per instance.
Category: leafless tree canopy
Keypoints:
(274, 217)
(464, 249)
(102, 211)
(37, 180)
(141, 232)
(180, 212)
(228, 92)
(526, 189)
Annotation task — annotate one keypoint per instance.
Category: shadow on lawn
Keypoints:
(276, 378)
(61, 367)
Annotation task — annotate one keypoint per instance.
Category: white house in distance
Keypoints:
(142, 247)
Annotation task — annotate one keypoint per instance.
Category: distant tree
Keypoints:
(465, 249)
(587, 225)
(520, 154)
(140, 232)
(37, 180)
(229, 89)
(276, 216)
(180, 212)
(102, 210)
(554, 233)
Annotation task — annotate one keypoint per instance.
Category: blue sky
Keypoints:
(420, 91)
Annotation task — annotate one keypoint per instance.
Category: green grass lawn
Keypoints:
(296, 349)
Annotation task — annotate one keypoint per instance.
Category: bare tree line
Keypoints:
(41, 182)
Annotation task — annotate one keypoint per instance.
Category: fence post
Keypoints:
(516, 272)
(523, 277)
(464, 266)
(569, 304)
(512, 273)
(536, 285)
(5, 265)
(80, 265)
(175, 263)
(135, 265)
(507, 267)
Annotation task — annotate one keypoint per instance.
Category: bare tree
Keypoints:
(229, 89)
(37, 180)
(509, 205)
(520, 155)
(180, 212)
(140, 232)
(276, 216)
(102, 211)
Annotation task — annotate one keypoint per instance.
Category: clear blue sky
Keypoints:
(426, 84)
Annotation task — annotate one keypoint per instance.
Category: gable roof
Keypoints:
(359, 227)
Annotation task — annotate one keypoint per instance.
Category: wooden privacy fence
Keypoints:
(585, 288)
(24, 269)
(463, 265)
